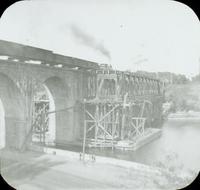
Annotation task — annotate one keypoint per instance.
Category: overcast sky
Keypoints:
(152, 35)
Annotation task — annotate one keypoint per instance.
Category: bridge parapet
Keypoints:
(24, 53)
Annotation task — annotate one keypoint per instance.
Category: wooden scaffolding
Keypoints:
(102, 123)
(120, 110)
(40, 121)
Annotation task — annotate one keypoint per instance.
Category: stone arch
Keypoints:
(63, 118)
(14, 112)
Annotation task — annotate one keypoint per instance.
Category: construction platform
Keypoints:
(149, 135)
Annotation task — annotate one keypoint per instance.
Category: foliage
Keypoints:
(183, 97)
(196, 78)
(167, 77)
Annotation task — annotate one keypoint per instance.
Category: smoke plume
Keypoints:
(89, 41)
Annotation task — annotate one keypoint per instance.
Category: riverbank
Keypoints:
(34, 170)
(185, 115)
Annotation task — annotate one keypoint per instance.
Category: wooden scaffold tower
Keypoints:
(102, 123)
(120, 110)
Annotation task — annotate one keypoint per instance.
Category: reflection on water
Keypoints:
(178, 145)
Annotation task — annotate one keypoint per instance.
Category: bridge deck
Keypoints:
(26, 53)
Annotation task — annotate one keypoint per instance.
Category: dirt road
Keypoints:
(37, 171)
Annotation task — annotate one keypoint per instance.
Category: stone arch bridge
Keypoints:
(69, 80)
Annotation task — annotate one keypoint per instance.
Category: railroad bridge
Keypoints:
(86, 100)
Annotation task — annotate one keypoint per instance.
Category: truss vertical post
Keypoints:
(123, 116)
(96, 123)
(84, 133)
(43, 127)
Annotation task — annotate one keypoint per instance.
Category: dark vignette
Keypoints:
(4, 185)
(192, 4)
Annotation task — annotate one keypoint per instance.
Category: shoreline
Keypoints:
(184, 115)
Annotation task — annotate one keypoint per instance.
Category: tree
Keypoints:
(196, 78)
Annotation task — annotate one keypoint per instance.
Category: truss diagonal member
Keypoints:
(90, 115)
(136, 128)
(102, 128)
(94, 120)
(106, 115)
(91, 127)
(147, 101)
(133, 125)
(132, 132)
(141, 125)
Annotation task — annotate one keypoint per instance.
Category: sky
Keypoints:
(151, 35)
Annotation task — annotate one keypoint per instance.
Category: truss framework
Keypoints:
(108, 122)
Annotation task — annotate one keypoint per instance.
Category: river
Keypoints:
(178, 147)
